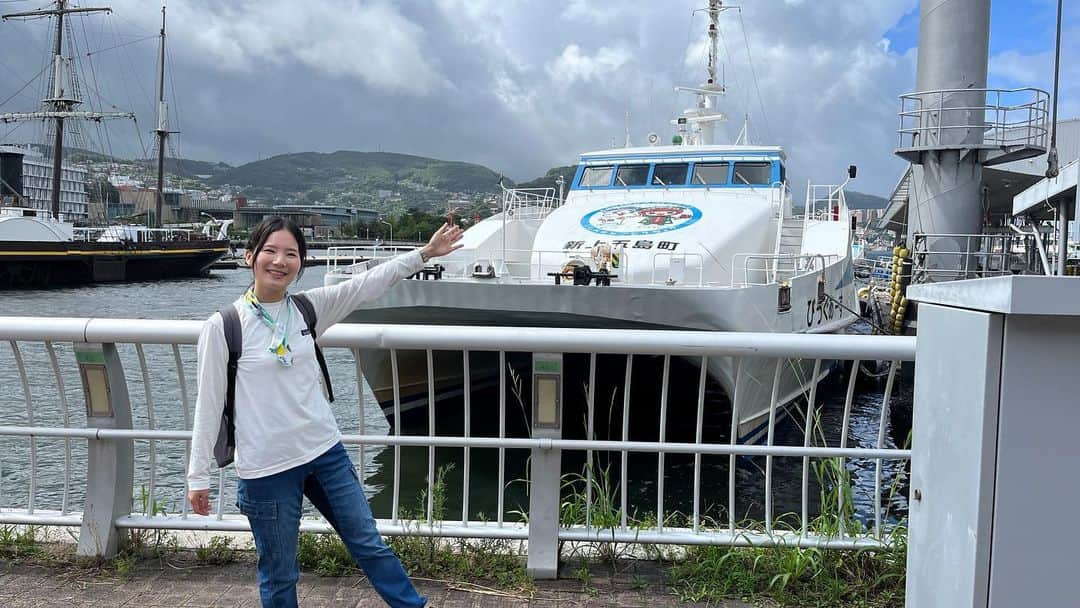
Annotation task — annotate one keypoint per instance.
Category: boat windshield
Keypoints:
(710, 174)
(666, 175)
(632, 175)
(596, 176)
(754, 174)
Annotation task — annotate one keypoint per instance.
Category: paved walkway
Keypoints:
(177, 581)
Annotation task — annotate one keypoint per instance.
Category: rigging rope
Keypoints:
(750, 59)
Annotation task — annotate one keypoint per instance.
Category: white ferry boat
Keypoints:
(693, 235)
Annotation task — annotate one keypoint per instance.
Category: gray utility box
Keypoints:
(995, 482)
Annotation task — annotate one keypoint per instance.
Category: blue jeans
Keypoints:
(273, 505)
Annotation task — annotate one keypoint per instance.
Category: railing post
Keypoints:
(545, 478)
(110, 462)
(994, 446)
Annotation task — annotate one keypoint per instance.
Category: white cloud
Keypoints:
(589, 12)
(523, 85)
(573, 64)
(371, 42)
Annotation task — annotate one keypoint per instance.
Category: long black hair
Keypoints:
(262, 231)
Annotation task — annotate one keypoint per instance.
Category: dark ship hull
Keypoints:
(48, 264)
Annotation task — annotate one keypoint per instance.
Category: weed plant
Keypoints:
(794, 576)
(19, 542)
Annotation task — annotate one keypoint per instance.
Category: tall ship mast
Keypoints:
(162, 132)
(64, 98)
(38, 248)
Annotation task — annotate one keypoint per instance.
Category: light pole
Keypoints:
(391, 229)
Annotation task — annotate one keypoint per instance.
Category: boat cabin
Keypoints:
(678, 167)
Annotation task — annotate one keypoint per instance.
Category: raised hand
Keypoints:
(445, 240)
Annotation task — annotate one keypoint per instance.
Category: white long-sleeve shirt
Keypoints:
(282, 416)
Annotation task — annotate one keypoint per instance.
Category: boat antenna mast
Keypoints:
(162, 131)
(61, 104)
(697, 125)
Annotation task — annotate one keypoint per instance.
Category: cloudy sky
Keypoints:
(516, 85)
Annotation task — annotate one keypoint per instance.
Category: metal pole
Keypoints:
(1052, 158)
(162, 131)
(1063, 235)
(58, 105)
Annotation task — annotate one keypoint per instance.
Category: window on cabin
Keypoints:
(710, 174)
(754, 174)
(596, 176)
(632, 175)
(669, 175)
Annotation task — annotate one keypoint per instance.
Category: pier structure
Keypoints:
(953, 126)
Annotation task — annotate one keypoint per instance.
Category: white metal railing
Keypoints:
(767, 269)
(41, 347)
(134, 234)
(534, 264)
(529, 203)
(1000, 118)
(350, 256)
(951, 257)
(825, 203)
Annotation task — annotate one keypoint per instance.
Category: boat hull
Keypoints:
(748, 381)
(49, 264)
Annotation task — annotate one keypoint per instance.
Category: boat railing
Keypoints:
(347, 255)
(769, 269)
(683, 269)
(951, 257)
(132, 234)
(825, 203)
(143, 416)
(1007, 124)
(529, 203)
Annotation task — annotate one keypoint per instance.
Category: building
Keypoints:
(37, 183)
(312, 217)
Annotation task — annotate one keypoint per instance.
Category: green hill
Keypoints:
(359, 171)
(548, 180)
(185, 167)
(861, 200)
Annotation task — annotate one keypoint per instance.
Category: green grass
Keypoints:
(16, 542)
(786, 575)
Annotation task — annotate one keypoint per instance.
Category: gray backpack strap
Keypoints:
(225, 446)
(307, 309)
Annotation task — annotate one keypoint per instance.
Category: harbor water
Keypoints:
(158, 401)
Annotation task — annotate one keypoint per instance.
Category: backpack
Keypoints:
(225, 446)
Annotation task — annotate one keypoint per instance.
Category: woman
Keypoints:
(287, 441)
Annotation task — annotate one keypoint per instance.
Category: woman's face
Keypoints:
(276, 265)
